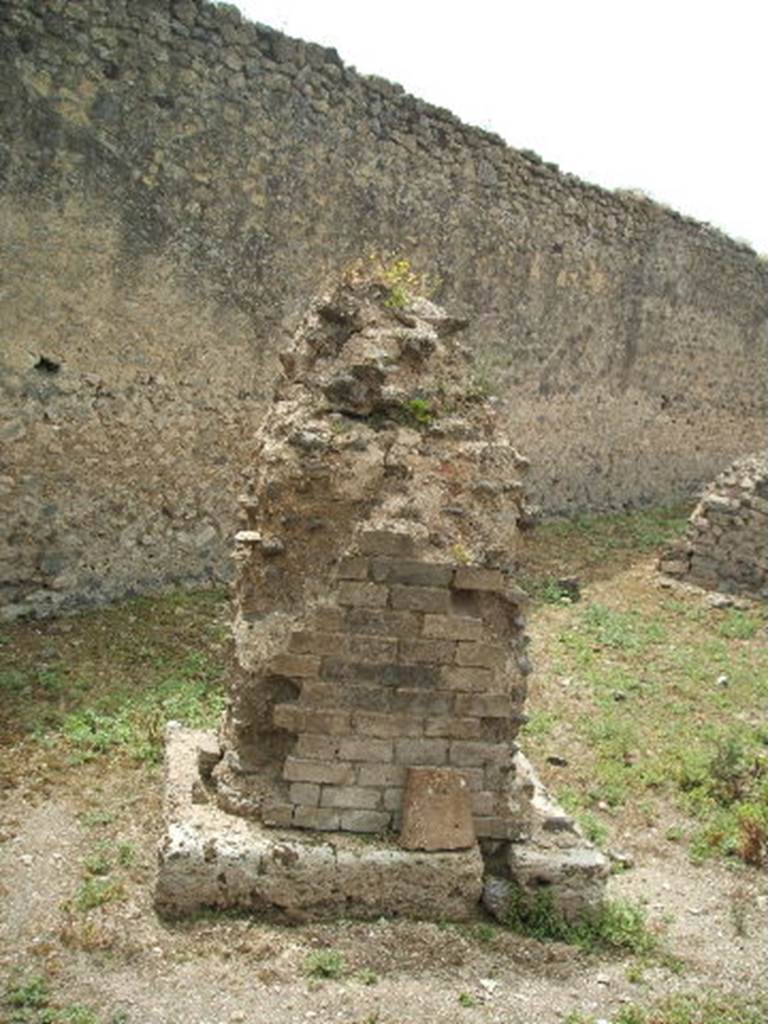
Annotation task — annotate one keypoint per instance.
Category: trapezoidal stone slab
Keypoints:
(437, 814)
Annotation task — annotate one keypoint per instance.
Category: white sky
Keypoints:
(668, 97)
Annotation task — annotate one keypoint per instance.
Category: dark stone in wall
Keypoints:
(176, 182)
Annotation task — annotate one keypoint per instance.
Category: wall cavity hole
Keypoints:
(46, 365)
(111, 70)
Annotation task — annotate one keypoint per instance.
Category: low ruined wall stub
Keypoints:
(725, 547)
(177, 182)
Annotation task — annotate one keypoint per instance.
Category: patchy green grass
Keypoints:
(652, 694)
(32, 1002)
(594, 547)
(673, 716)
(107, 681)
(617, 926)
(95, 892)
(694, 1008)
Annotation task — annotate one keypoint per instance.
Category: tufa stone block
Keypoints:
(453, 627)
(469, 753)
(441, 652)
(306, 642)
(368, 749)
(468, 679)
(386, 623)
(381, 775)
(304, 793)
(323, 819)
(358, 797)
(424, 751)
(452, 727)
(388, 726)
(353, 568)
(411, 572)
(301, 666)
(421, 599)
(362, 595)
(298, 770)
(469, 577)
(479, 655)
(365, 821)
(314, 747)
(483, 706)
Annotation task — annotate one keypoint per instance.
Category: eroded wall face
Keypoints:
(177, 182)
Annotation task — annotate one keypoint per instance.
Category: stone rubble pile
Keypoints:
(725, 547)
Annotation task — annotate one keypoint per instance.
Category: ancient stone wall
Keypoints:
(726, 545)
(176, 182)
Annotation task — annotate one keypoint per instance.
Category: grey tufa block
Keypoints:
(209, 858)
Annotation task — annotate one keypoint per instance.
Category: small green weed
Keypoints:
(635, 972)
(737, 625)
(465, 999)
(552, 592)
(13, 681)
(77, 1014)
(403, 281)
(325, 963)
(95, 892)
(592, 827)
(126, 854)
(29, 995)
(461, 554)
(484, 932)
(367, 977)
(96, 819)
(728, 792)
(98, 862)
(418, 412)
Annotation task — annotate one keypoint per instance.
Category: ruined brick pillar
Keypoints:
(378, 625)
(379, 640)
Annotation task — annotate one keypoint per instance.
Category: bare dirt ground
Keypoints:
(125, 964)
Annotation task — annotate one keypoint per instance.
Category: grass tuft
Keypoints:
(325, 963)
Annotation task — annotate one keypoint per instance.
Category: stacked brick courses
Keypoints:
(464, 691)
